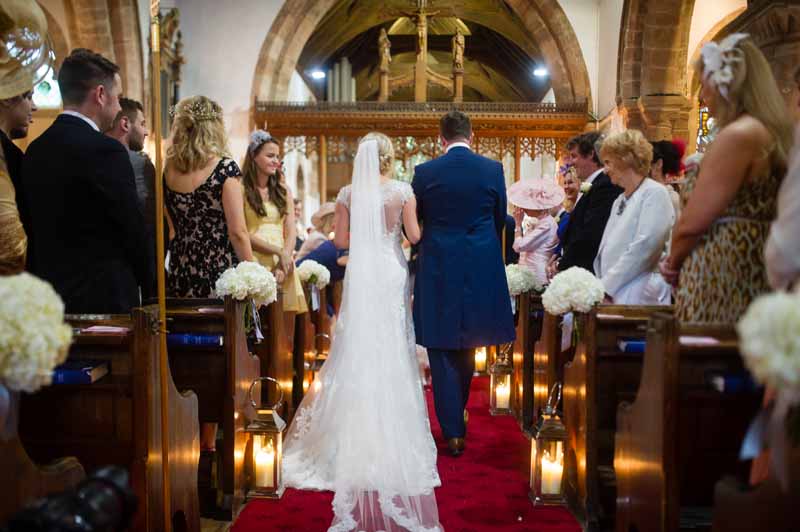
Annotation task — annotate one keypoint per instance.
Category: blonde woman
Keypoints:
(638, 227)
(204, 201)
(716, 256)
(322, 223)
(269, 213)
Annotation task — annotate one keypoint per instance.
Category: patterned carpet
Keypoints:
(486, 489)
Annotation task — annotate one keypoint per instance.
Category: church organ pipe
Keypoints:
(323, 169)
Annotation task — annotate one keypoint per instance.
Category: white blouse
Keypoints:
(782, 254)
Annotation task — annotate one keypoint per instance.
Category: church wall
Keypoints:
(58, 11)
(221, 45)
(584, 17)
(610, 21)
(706, 15)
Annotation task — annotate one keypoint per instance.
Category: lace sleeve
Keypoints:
(406, 192)
(344, 197)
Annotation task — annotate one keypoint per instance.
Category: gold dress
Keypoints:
(13, 242)
(270, 229)
(726, 270)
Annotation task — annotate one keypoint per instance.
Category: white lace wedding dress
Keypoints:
(362, 430)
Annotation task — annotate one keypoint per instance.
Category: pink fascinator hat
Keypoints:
(536, 194)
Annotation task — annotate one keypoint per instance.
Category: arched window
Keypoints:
(46, 94)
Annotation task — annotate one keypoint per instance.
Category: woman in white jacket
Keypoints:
(637, 230)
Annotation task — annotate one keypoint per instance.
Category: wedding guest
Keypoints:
(87, 230)
(16, 109)
(588, 219)
(333, 259)
(717, 245)
(782, 253)
(638, 227)
(667, 157)
(300, 226)
(130, 128)
(269, 213)
(536, 243)
(509, 254)
(204, 200)
(561, 213)
(323, 225)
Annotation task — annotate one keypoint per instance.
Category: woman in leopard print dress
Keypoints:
(716, 257)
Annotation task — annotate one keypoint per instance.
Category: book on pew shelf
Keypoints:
(80, 371)
(731, 382)
(631, 345)
(194, 339)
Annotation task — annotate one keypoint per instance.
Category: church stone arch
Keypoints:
(544, 20)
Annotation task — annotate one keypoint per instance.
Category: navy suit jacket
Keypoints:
(460, 293)
(88, 233)
(587, 221)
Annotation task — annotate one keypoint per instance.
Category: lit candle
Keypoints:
(502, 392)
(480, 359)
(265, 460)
(551, 474)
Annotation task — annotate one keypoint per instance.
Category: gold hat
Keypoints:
(326, 209)
(25, 48)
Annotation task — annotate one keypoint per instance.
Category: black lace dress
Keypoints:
(201, 250)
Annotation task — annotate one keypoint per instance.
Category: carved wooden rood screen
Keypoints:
(503, 131)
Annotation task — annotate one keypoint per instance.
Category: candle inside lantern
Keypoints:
(265, 460)
(551, 473)
(480, 359)
(502, 393)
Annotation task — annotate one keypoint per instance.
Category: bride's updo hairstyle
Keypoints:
(385, 151)
(198, 134)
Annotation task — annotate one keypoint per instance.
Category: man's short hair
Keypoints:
(128, 109)
(455, 124)
(82, 71)
(587, 144)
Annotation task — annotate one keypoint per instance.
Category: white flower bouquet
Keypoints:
(770, 345)
(33, 336)
(520, 280)
(573, 290)
(248, 280)
(313, 272)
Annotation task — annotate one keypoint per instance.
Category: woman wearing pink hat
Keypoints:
(535, 245)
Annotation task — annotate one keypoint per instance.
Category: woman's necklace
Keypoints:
(625, 199)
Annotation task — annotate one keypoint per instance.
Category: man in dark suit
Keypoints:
(130, 128)
(461, 296)
(587, 221)
(87, 230)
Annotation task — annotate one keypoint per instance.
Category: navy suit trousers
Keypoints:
(451, 372)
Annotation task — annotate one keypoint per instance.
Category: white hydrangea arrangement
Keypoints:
(313, 272)
(520, 280)
(769, 337)
(33, 336)
(573, 290)
(248, 280)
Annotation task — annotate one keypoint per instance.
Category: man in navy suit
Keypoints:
(588, 219)
(461, 296)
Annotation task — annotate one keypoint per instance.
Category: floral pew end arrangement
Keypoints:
(249, 280)
(33, 336)
(317, 276)
(769, 340)
(573, 290)
(520, 280)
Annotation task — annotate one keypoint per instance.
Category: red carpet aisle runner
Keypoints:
(486, 489)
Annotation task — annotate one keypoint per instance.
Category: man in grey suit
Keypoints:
(130, 128)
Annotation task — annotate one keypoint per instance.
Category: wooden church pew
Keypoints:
(117, 419)
(221, 377)
(741, 508)
(275, 357)
(304, 351)
(529, 326)
(546, 364)
(596, 378)
(678, 436)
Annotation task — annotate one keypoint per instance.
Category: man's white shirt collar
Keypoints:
(593, 176)
(82, 117)
(457, 145)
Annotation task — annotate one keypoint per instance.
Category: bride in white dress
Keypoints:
(362, 431)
